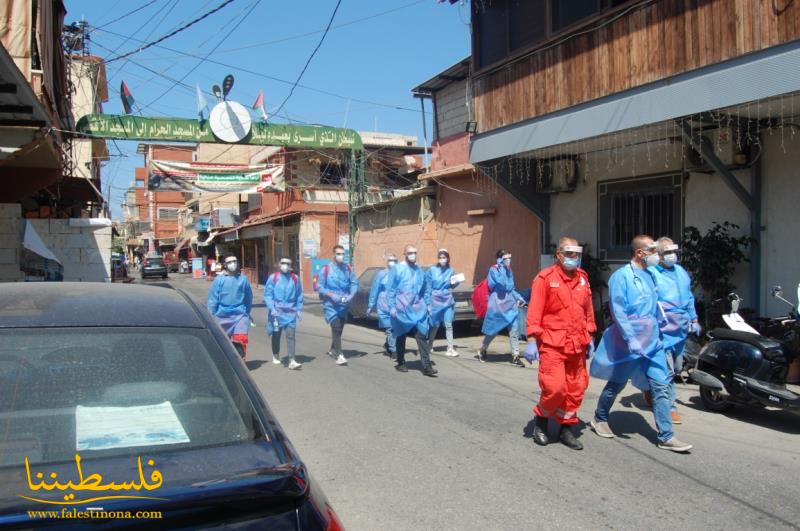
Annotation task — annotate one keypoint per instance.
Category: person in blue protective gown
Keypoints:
(676, 298)
(439, 298)
(405, 293)
(230, 300)
(283, 297)
(632, 348)
(377, 300)
(337, 286)
(502, 311)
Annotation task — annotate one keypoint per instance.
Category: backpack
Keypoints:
(275, 277)
(480, 298)
(325, 270)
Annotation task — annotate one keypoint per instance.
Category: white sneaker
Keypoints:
(276, 360)
(293, 365)
(341, 360)
(452, 353)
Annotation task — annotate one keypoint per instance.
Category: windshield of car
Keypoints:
(116, 391)
(155, 262)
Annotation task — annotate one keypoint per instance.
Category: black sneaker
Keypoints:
(430, 371)
(401, 367)
(517, 361)
(568, 438)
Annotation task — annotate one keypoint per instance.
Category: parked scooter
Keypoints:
(740, 366)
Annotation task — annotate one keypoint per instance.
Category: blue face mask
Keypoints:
(571, 264)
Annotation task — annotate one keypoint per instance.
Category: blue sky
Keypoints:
(382, 50)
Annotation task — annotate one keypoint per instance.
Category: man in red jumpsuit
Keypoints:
(560, 325)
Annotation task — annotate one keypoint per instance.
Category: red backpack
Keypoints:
(480, 298)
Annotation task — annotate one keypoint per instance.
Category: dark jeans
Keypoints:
(422, 344)
(290, 342)
(337, 327)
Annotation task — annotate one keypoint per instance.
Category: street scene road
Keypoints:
(402, 451)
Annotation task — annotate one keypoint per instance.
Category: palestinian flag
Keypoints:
(127, 98)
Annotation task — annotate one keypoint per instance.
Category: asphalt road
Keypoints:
(403, 451)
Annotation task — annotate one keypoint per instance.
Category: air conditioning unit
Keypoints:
(722, 142)
(557, 175)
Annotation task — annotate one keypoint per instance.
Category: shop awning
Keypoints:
(752, 77)
(33, 242)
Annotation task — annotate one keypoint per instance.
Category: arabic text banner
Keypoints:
(209, 177)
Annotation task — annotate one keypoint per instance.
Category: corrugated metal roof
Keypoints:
(457, 72)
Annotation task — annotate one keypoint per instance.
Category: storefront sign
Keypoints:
(310, 248)
(131, 127)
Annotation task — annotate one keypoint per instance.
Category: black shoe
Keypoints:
(540, 432)
(401, 367)
(568, 438)
(517, 360)
(433, 362)
(430, 371)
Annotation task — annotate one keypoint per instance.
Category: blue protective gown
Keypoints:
(675, 295)
(439, 294)
(336, 282)
(230, 300)
(405, 293)
(503, 306)
(283, 297)
(377, 298)
(631, 348)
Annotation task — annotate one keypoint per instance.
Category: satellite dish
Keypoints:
(227, 85)
(230, 121)
(217, 92)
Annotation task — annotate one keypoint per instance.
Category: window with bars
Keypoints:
(652, 205)
(168, 213)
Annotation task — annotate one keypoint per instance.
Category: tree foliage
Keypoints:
(711, 258)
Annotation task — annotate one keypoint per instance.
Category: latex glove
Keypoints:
(590, 350)
(635, 347)
(531, 353)
(695, 329)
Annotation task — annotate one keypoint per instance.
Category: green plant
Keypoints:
(711, 258)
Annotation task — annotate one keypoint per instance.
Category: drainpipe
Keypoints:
(755, 226)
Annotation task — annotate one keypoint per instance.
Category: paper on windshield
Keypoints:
(735, 322)
(102, 428)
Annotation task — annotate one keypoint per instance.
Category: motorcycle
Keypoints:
(739, 366)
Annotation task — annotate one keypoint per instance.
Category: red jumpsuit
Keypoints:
(561, 317)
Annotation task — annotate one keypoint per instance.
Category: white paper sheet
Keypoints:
(455, 279)
(101, 428)
(735, 322)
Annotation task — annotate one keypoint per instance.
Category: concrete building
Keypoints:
(617, 118)
(454, 206)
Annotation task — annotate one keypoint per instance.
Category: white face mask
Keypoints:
(284, 268)
(231, 266)
(339, 258)
(411, 257)
(670, 259)
(391, 263)
(507, 262)
(652, 260)
(443, 262)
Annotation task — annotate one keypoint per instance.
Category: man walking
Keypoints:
(632, 346)
(337, 286)
(405, 293)
(283, 297)
(561, 323)
(377, 299)
(230, 300)
(676, 298)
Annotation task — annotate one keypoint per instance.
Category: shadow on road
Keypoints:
(782, 421)
(254, 364)
(626, 423)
